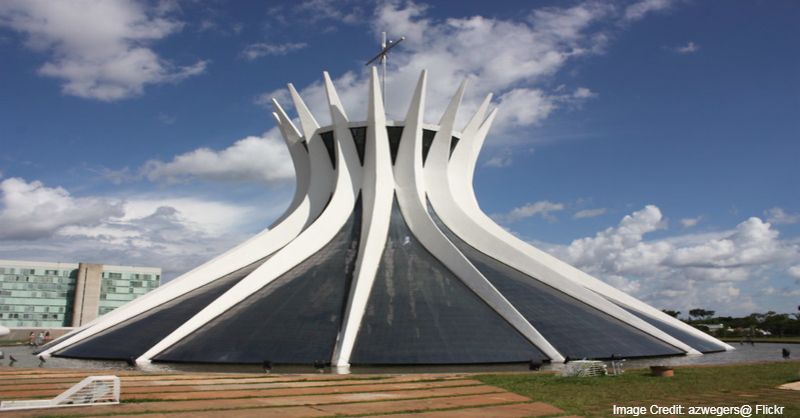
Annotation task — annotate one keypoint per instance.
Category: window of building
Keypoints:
(114, 275)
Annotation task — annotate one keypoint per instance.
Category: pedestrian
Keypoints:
(32, 338)
(47, 337)
(39, 338)
(786, 354)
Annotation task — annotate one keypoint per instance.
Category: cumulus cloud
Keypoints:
(542, 208)
(504, 158)
(175, 233)
(523, 51)
(794, 271)
(98, 48)
(335, 10)
(689, 48)
(589, 213)
(682, 271)
(642, 8)
(262, 159)
(583, 93)
(779, 216)
(30, 210)
(523, 107)
(690, 222)
(262, 49)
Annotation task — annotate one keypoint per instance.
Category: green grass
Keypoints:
(12, 343)
(777, 340)
(728, 385)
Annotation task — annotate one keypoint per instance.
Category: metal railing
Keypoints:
(93, 390)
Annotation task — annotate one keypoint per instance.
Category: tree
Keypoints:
(701, 313)
(671, 313)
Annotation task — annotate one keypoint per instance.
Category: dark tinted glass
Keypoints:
(698, 344)
(360, 139)
(294, 319)
(574, 328)
(420, 313)
(427, 140)
(327, 139)
(453, 143)
(394, 133)
(136, 335)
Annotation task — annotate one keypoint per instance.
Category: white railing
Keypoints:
(584, 368)
(93, 390)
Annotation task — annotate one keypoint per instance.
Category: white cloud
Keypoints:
(542, 208)
(175, 233)
(523, 107)
(165, 237)
(209, 216)
(262, 159)
(98, 48)
(779, 216)
(499, 161)
(683, 271)
(523, 52)
(794, 271)
(583, 93)
(617, 249)
(689, 48)
(31, 210)
(690, 222)
(335, 10)
(589, 213)
(642, 8)
(262, 49)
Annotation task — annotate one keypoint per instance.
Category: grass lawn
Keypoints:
(728, 385)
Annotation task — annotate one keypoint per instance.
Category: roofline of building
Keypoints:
(59, 265)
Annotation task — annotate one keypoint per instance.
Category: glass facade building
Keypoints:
(42, 294)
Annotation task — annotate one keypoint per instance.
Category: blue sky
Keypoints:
(652, 143)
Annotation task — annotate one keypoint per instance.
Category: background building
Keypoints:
(40, 294)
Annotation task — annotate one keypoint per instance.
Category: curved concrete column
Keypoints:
(377, 194)
(280, 233)
(460, 174)
(411, 198)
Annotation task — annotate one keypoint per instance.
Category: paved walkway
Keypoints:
(198, 395)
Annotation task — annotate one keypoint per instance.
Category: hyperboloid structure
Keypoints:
(383, 257)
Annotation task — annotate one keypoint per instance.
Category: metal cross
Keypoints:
(385, 47)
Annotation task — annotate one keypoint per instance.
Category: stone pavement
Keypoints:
(198, 395)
